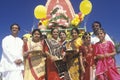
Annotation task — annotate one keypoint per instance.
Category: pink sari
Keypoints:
(106, 67)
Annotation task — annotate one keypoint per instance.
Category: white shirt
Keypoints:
(95, 39)
(12, 50)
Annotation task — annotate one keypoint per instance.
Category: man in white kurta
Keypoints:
(12, 59)
(94, 39)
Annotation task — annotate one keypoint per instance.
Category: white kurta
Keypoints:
(12, 50)
(95, 39)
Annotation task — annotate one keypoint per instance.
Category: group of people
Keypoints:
(90, 57)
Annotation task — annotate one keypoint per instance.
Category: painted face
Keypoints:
(101, 35)
(62, 36)
(55, 33)
(74, 34)
(15, 29)
(36, 35)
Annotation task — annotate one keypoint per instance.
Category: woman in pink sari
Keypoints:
(104, 52)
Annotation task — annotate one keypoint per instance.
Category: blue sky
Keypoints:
(22, 12)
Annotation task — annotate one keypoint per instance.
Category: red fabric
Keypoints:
(45, 48)
(88, 54)
(52, 73)
(25, 47)
(106, 67)
(64, 3)
(51, 70)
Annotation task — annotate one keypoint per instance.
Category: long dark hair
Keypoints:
(76, 29)
(62, 32)
(35, 31)
(85, 34)
(53, 30)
